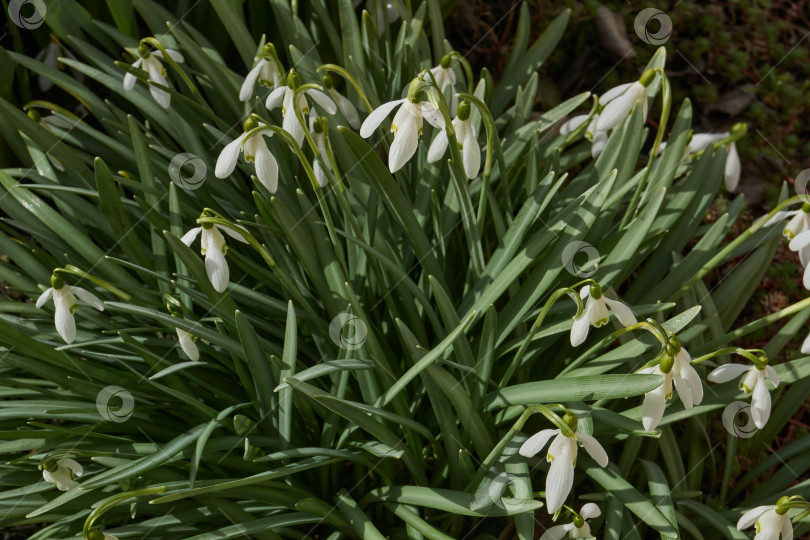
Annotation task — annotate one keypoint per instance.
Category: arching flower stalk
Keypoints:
(283, 96)
(64, 302)
(465, 135)
(149, 61)
(267, 71)
(407, 124)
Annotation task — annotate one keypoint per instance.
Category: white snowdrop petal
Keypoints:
(266, 170)
(652, 408)
(733, 168)
(613, 93)
(189, 237)
(750, 517)
(623, 313)
(276, 97)
(590, 511)
(471, 155)
(438, 147)
(65, 324)
(74, 466)
(188, 345)
(246, 92)
(373, 121)
(536, 442)
(580, 327)
(787, 528)
(226, 162)
(406, 139)
(44, 297)
(727, 373)
(760, 404)
(88, 297)
(560, 476)
(217, 268)
(771, 375)
(432, 115)
(323, 100)
(593, 448)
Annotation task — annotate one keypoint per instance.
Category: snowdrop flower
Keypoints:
(598, 138)
(64, 303)
(187, 344)
(317, 127)
(149, 62)
(61, 473)
(283, 96)
(620, 100)
(256, 152)
(701, 141)
(346, 107)
(578, 528)
(752, 382)
(50, 57)
(213, 246)
(798, 224)
(562, 453)
(266, 71)
(596, 313)
(465, 135)
(445, 76)
(770, 521)
(407, 124)
(675, 369)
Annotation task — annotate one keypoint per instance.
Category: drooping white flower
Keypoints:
(149, 62)
(465, 136)
(213, 246)
(50, 57)
(596, 313)
(283, 96)
(346, 107)
(187, 344)
(598, 138)
(733, 168)
(265, 71)
(561, 454)
(686, 381)
(618, 102)
(573, 529)
(407, 126)
(64, 303)
(62, 473)
(446, 77)
(256, 152)
(752, 382)
(318, 132)
(769, 523)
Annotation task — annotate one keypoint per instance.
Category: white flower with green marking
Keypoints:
(465, 136)
(213, 246)
(252, 144)
(265, 71)
(283, 96)
(595, 313)
(149, 61)
(770, 521)
(674, 369)
(64, 302)
(62, 473)
(578, 528)
(753, 382)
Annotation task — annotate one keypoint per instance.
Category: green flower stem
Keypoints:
(70, 269)
(462, 187)
(114, 501)
(666, 106)
(517, 360)
(755, 325)
(468, 72)
(493, 145)
(734, 244)
(345, 74)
